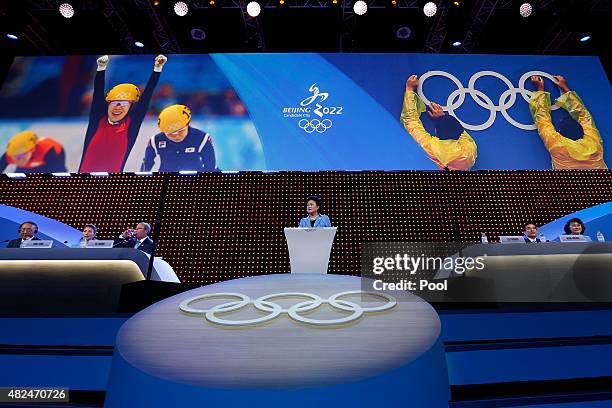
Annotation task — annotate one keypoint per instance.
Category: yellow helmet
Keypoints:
(20, 143)
(173, 118)
(123, 92)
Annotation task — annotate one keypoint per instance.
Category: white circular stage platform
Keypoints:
(281, 341)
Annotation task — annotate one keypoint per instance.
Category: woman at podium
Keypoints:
(314, 219)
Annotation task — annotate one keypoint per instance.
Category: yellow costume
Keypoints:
(585, 153)
(457, 154)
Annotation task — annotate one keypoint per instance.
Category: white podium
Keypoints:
(309, 248)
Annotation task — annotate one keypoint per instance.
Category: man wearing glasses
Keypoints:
(27, 231)
(179, 146)
(114, 121)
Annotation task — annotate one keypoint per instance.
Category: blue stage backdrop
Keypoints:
(308, 111)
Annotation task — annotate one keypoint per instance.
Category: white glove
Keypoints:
(102, 62)
(160, 60)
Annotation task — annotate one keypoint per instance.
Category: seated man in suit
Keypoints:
(137, 238)
(314, 219)
(27, 231)
(531, 233)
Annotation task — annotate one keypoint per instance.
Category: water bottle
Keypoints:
(543, 238)
(483, 238)
(600, 237)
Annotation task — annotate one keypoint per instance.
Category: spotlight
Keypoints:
(99, 173)
(456, 43)
(180, 8)
(139, 44)
(403, 33)
(12, 36)
(144, 173)
(156, 3)
(360, 7)
(585, 38)
(61, 174)
(334, 2)
(393, 3)
(281, 2)
(212, 3)
(198, 34)
(16, 175)
(526, 9)
(253, 9)
(430, 9)
(457, 3)
(66, 10)
(188, 172)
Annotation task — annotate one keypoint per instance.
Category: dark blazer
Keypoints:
(147, 245)
(528, 241)
(16, 243)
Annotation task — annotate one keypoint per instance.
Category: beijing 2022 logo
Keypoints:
(314, 115)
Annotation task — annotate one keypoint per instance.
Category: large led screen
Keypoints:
(232, 112)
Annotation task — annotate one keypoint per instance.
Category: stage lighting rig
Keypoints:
(253, 9)
(430, 9)
(181, 8)
(66, 10)
(526, 9)
(360, 7)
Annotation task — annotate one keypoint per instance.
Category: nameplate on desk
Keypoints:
(100, 243)
(511, 240)
(574, 238)
(38, 243)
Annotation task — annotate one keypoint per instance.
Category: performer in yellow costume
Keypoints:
(452, 147)
(577, 144)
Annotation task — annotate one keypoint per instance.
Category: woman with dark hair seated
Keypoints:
(314, 219)
(575, 226)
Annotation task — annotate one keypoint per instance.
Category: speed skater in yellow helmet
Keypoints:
(120, 98)
(22, 142)
(115, 119)
(123, 92)
(174, 118)
(31, 154)
(179, 146)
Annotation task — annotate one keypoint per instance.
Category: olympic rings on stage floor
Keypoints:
(264, 304)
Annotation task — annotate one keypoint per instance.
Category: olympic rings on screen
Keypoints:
(506, 99)
(294, 312)
(310, 126)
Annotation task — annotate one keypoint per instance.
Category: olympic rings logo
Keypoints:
(310, 126)
(506, 99)
(264, 304)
